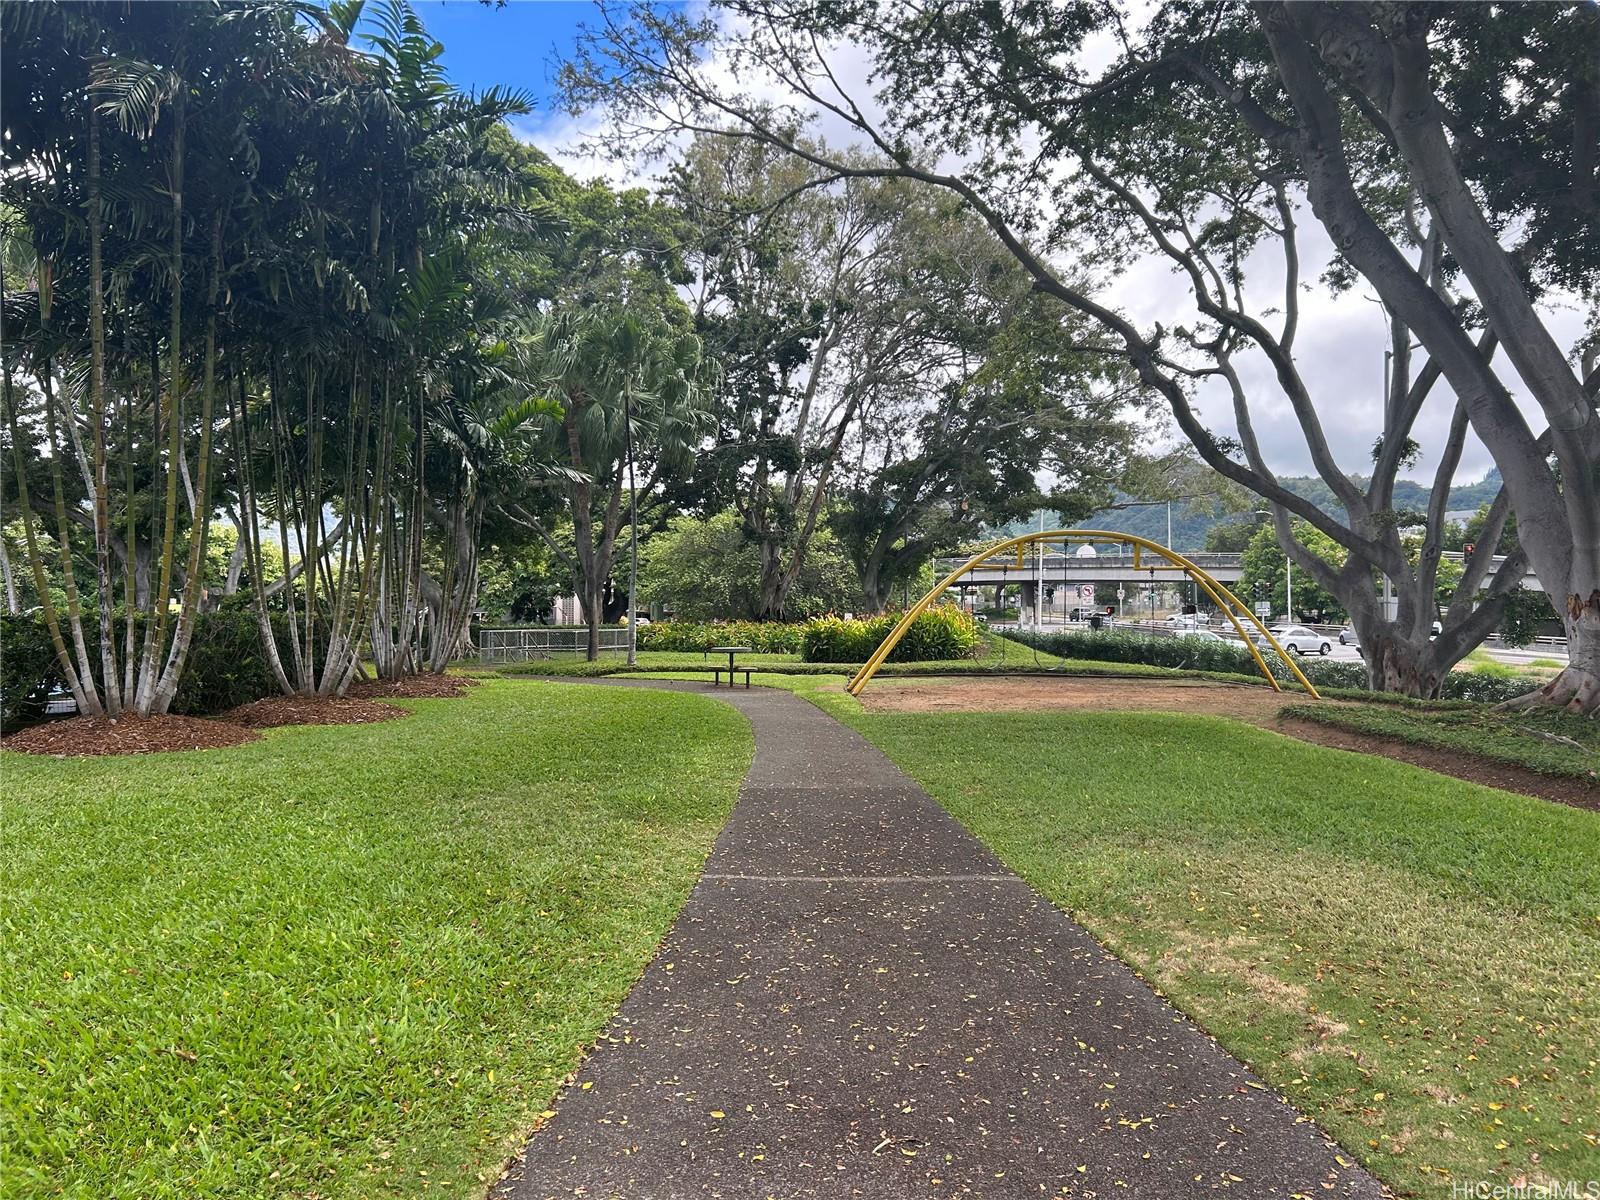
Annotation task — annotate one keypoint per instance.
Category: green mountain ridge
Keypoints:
(1190, 523)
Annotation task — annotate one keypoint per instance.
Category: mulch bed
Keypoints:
(275, 711)
(412, 687)
(127, 734)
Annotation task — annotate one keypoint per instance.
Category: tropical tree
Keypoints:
(1201, 145)
(629, 395)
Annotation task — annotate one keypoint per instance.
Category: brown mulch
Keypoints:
(412, 687)
(275, 711)
(127, 734)
(1256, 705)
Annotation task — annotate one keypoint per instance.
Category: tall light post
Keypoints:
(1038, 581)
(633, 531)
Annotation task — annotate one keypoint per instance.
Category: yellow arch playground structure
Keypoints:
(1166, 560)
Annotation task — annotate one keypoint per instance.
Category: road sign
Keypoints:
(1121, 594)
(1263, 608)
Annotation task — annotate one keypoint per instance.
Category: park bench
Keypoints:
(730, 670)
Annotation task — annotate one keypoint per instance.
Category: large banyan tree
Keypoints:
(1450, 153)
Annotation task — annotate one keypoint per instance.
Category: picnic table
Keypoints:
(730, 651)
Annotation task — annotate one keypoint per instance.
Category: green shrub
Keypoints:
(226, 666)
(1232, 657)
(941, 633)
(27, 669)
(696, 637)
(1487, 689)
(1183, 653)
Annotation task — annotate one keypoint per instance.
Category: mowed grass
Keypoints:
(342, 962)
(1414, 961)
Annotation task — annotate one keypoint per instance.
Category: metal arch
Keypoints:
(1225, 600)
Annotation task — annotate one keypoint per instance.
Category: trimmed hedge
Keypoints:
(696, 637)
(226, 666)
(941, 633)
(1196, 655)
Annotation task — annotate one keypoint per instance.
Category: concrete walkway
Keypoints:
(859, 999)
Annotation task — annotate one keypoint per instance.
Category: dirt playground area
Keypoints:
(1239, 702)
(1052, 693)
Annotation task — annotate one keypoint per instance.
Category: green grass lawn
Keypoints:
(1414, 961)
(342, 962)
(1548, 741)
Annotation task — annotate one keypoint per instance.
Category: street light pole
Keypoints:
(1038, 582)
(633, 533)
(1288, 587)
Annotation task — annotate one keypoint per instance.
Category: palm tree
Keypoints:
(620, 377)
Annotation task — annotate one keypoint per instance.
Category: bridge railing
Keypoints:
(1201, 558)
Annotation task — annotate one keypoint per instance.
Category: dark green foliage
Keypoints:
(1233, 658)
(696, 637)
(226, 664)
(945, 632)
(1184, 653)
(27, 669)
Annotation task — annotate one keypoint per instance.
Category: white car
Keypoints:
(1297, 639)
(1349, 637)
(1204, 635)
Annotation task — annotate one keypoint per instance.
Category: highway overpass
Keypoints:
(1056, 569)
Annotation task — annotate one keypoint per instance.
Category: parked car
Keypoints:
(1349, 637)
(1297, 639)
(1204, 635)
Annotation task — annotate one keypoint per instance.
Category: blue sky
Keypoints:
(515, 46)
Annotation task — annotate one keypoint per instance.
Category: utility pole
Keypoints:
(633, 534)
(1288, 587)
(1038, 583)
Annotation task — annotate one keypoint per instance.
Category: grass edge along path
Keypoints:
(1412, 960)
(346, 961)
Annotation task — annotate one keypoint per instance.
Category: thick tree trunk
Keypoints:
(1577, 687)
(1401, 665)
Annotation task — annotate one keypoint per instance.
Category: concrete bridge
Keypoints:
(1059, 570)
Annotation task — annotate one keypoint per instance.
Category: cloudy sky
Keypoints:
(1341, 341)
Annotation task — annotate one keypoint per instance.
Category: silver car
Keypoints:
(1297, 639)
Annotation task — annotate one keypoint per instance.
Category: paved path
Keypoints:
(859, 999)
